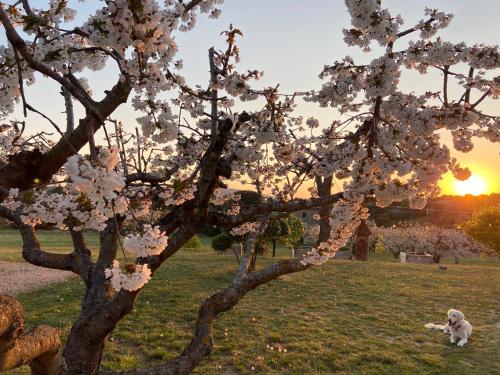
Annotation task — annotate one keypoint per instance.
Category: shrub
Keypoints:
(222, 242)
(194, 243)
(261, 246)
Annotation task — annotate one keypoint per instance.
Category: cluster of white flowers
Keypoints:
(345, 218)
(221, 196)
(130, 281)
(245, 228)
(286, 152)
(8, 143)
(234, 210)
(9, 82)
(459, 172)
(189, 18)
(98, 182)
(92, 195)
(11, 201)
(423, 54)
(235, 85)
(344, 82)
(440, 20)
(370, 22)
(122, 24)
(383, 77)
(158, 121)
(173, 198)
(151, 242)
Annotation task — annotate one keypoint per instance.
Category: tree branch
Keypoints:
(24, 167)
(78, 261)
(39, 347)
(20, 45)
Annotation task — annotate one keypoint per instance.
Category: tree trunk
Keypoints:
(274, 248)
(102, 309)
(82, 354)
(324, 186)
(436, 258)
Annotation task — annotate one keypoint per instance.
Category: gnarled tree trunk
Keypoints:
(40, 347)
(102, 309)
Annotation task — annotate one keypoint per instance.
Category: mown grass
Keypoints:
(51, 240)
(344, 317)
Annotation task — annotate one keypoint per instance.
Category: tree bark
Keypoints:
(324, 186)
(102, 309)
(40, 347)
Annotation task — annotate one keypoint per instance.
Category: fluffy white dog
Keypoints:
(459, 328)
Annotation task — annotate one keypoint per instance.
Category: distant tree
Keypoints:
(297, 231)
(484, 226)
(222, 242)
(436, 241)
(276, 229)
(289, 230)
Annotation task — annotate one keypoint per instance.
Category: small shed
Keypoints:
(361, 244)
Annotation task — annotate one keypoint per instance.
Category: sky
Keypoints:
(291, 41)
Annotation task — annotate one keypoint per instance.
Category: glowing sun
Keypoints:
(475, 185)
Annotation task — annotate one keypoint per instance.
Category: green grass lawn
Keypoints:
(345, 317)
(51, 240)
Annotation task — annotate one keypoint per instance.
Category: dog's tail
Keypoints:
(435, 326)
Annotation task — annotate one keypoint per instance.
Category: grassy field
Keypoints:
(51, 240)
(344, 317)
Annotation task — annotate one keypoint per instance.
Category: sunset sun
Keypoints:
(475, 185)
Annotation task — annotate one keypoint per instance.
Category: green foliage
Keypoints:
(273, 230)
(194, 243)
(290, 230)
(379, 248)
(297, 231)
(484, 226)
(284, 228)
(261, 246)
(222, 242)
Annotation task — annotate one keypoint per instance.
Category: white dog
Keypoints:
(459, 328)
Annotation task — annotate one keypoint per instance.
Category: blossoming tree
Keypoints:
(436, 241)
(190, 147)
